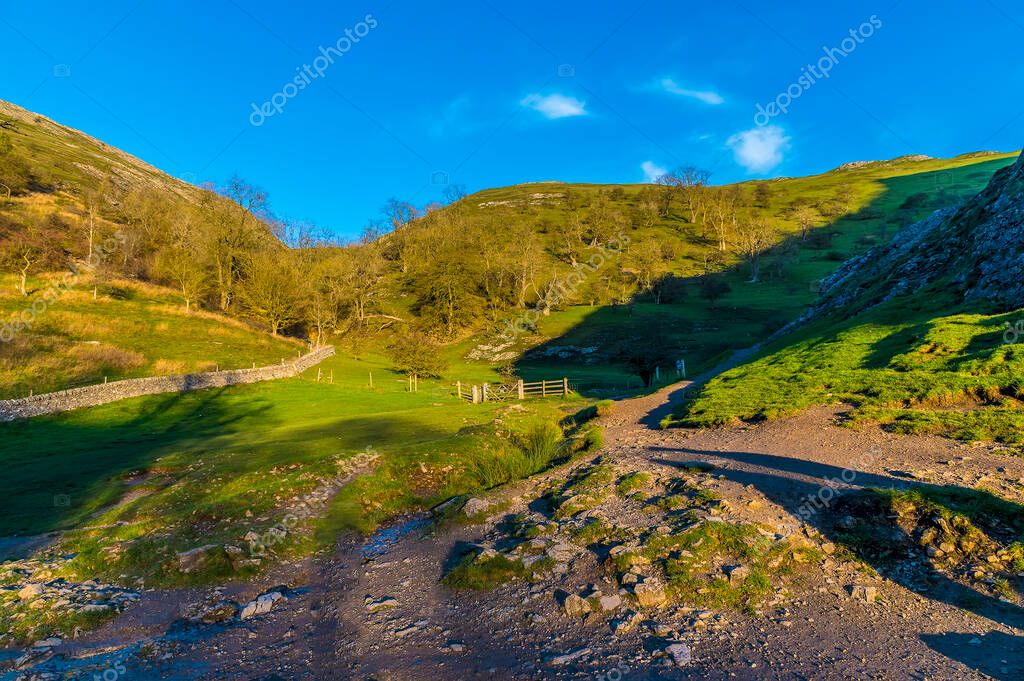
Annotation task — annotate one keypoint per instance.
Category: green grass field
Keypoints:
(214, 465)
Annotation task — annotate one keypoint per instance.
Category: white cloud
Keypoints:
(555, 106)
(706, 96)
(652, 171)
(759, 149)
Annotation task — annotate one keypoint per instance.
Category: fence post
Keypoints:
(485, 392)
(476, 395)
(543, 388)
(565, 385)
(458, 388)
(520, 389)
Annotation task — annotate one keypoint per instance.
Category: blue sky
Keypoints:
(492, 93)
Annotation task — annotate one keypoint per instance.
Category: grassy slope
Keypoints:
(704, 333)
(903, 364)
(926, 363)
(129, 330)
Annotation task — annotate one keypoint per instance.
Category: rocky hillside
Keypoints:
(974, 252)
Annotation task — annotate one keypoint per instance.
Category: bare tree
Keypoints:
(806, 217)
(691, 184)
(179, 265)
(753, 238)
(268, 292)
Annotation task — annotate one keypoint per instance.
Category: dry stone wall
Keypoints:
(93, 395)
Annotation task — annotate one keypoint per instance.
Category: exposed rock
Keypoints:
(382, 603)
(575, 606)
(199, 558)
(30, 591)
(569, 657)
(261, 605)
(475, 507)
(680, 653)
(650, 593)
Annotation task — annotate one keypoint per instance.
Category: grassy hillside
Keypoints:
(595, 342)
(127, 330)
(921, 336)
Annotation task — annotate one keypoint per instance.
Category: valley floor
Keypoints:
(380, 611)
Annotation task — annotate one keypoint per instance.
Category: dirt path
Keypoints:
(386, 616)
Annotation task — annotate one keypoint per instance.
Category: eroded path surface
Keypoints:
(593, 609)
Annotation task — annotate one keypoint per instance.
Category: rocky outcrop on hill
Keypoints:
(974, 251)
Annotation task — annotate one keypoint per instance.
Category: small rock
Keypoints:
(626, 623)
(569, 657)
(475, 507)
(261, 605)
(381, 604)
(865, 594)
(31, 591)
(575, 606)
(680, 654)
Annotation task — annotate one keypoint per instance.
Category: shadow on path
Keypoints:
(793, 483)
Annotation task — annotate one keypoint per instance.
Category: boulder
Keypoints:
(650, 593)
(31, 591)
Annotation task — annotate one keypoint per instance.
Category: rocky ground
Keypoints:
(669, 554)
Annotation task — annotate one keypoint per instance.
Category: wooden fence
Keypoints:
(505, 392)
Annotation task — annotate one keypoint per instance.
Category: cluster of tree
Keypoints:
(438, 270)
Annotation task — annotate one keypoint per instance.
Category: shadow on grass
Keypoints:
(791, 483)
(620, 338)
(60, 470)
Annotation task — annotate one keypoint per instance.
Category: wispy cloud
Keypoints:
(759, 149)
(556, 105)
(707, 96)
(652, 171)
